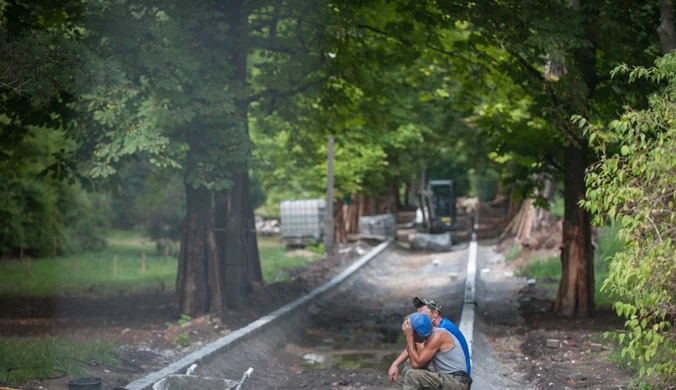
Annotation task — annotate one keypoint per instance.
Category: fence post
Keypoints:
(115, 265)
(143, 262)
(329, 225)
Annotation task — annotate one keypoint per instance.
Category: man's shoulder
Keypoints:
(448, 325)
(451, 327)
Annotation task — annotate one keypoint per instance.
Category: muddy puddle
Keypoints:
(350, 347)
(378, 361)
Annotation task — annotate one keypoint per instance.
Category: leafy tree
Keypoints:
(636, 188)
(575, 46)
(185, 106)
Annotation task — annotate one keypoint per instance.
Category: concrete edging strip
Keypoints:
(226, 342)
(467, 316)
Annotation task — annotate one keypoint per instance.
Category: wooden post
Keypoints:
(75, 266)
(329, 225)
(143, 262)
(28, 266)
(166, 253)
(115, 265)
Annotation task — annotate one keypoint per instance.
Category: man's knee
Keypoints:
(417, 379)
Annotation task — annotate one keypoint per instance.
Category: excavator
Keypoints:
(437, 212)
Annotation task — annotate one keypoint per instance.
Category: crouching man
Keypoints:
(441, 348)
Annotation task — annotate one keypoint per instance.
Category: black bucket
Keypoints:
(88, 383)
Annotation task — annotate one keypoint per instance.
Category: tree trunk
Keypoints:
(237, 240)
(576, 291)
(198, 283)
(667, 27)
(255, 271)
(353, 227)
(339, 222)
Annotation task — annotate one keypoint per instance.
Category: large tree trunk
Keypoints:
(576, 291)
(198, 282)
(667, 27)
(238, 243)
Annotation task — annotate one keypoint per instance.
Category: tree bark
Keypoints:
(339, 222)
(575, 297)
(198, 283)
(353, 226)
(667, 27)
(576, 291)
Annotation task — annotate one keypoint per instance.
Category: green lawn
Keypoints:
(24, 359)
(57, 276)
(94, 277)
(274, 257)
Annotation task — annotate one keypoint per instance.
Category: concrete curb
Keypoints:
(467, 314)
(243, 334)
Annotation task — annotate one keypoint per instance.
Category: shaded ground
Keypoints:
(139, 322)
(518, 330)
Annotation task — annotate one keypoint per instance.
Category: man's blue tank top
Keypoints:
(449, 326)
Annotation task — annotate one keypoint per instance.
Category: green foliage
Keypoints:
(184, 319)
(182, 339)
(39, 208)
(549, 267)
(513, 252)
(636, 187)
(25, 359)
(44, 63)
(485, 186)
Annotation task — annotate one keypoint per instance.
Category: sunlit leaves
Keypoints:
(636, 189)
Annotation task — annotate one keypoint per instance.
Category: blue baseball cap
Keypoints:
(421, 324)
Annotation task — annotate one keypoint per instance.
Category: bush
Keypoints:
(636, 187)
(41, 211)
(485, 185)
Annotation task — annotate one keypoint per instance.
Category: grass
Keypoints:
(513, 252)
(550, 267)
(274, 258)
(24, 359)
(94, 277)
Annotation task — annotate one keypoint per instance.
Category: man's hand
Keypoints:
(393, 373)
(406, 328)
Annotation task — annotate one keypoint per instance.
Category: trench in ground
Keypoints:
(351, 334)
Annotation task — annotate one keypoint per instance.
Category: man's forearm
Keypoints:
(402, 358)
(412, 352)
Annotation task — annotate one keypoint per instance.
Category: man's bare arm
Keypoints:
(422, 358)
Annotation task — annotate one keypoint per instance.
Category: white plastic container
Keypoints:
(302, 221)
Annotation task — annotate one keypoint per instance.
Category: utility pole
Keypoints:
(329, 224)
